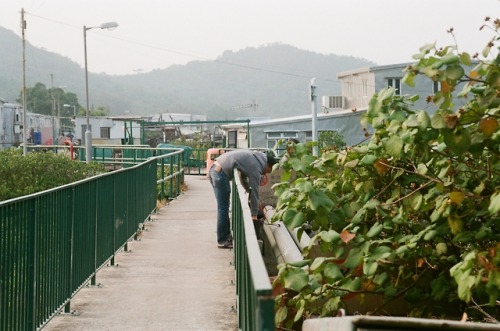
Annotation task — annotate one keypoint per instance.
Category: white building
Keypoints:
(110, 130)
(339, 113)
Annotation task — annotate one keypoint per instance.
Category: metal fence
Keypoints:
(255, 300)
(54, 242)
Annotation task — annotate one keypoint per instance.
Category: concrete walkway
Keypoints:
(173, 278)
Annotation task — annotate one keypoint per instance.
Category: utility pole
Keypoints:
(314, 111)
(23, 27)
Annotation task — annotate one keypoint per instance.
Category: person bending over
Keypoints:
(252, 165)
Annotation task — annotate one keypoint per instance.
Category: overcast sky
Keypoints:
(155, 34)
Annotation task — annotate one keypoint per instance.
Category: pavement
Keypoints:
(173, 278)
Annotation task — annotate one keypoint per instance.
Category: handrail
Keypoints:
(255, 301)
(52, 243)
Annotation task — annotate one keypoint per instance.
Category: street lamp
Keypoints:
(88, 133)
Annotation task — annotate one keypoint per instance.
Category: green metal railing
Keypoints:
(54, 242)
(255, 300)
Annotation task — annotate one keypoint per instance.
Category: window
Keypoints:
(349, 89)
(396, 83)
(436, 87)
(105, 133)
(232, 139)
(364, 85)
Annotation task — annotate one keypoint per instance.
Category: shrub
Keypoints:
(39, 171)
(419, 201)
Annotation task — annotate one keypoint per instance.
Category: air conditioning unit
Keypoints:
(333, 101)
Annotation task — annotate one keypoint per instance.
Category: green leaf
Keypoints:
(424, 50)
(408, 79)
(300, 311)
(293, 219)
(318, 198)
(296, 279)
(486, 50)
(330, 236)
(370, 267)
(303, 185)
(465, 58)
(331, 305)
(394, 146)
(422, 168)
(438, 121)
(397, 115)
(458, 142)
(386, 93)
(317, 263)
(375, 230)
(411, 121)
(359, 216)
(352, 163)
(441, 248)
(494, 206)
(368, 159)
(381, 279)
(454, 72)
(430, 235)
(300, 264)
(402, 249)
(372, 204)
(332, 271)
(448, 59)
(381, 252)
(281, 314)
(373, 108)
(415, 200)
(465, 284)
(352, 284)
(423, 120)
(354, 258)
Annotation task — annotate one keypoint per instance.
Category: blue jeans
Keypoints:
(222, 189)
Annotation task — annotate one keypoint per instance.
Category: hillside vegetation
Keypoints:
(276, 77)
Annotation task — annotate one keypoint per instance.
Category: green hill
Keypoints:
(276, 77)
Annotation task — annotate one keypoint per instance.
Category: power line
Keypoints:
(199, 57)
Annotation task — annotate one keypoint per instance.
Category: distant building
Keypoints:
(339, 113)
(110, 130)
(130, 129)
(40, 129)
(358, 86)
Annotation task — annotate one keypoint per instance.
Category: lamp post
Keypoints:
(88, 133)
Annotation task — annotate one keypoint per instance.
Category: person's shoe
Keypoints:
(226, 244)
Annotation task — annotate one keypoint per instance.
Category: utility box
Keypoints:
(382, 323)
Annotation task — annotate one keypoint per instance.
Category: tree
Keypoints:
(38, 99)
(414, 213)
(51, 101)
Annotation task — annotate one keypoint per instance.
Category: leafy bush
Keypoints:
(417, 206)
(38, 171)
